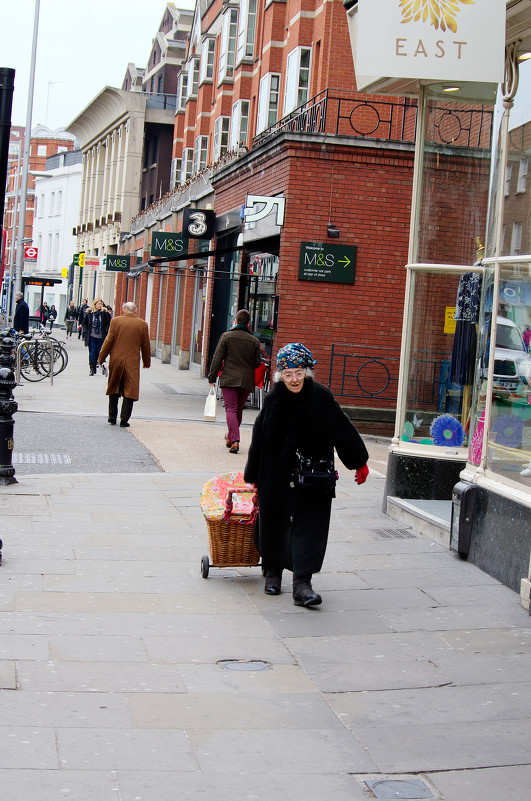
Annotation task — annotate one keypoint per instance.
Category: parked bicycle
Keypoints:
(40, 355)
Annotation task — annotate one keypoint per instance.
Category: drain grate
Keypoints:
(398, 788)
(394, 533)
(41, 458)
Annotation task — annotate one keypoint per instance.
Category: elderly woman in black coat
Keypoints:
(291, 460)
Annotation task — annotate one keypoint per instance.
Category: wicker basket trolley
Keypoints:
(230, 507)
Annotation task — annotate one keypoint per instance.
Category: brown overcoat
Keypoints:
(238, 351)
(128, 337)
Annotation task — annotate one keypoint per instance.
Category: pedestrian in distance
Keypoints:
(291, 461)
(95, 327)
(21, 315)
(45, 311)
(237, 356)
(52, 316)
(126, 342)
(70, 319)
(81, 312)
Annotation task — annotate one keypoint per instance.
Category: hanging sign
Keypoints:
(91, 262)
(30, 253)
(319, 261)
(168, 245)
(441, 40)
(117, 264)
(199, 223)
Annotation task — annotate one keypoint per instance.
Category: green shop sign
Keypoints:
(117, 264)
(169, 246)
(319, 261)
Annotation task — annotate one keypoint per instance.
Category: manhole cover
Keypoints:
(244, 664)
(398, 788)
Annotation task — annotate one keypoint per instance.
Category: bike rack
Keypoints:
(43, 342)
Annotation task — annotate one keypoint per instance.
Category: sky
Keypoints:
(83, 46)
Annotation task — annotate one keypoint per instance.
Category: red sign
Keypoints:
(30, 253)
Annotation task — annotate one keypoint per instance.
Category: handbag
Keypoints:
(211, 405)
(311, 473)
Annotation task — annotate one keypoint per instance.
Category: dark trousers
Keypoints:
(127, 408)
(234, 399)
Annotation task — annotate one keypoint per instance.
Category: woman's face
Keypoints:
(99, 305)
(293, 378)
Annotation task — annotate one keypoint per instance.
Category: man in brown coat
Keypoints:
(238, 352)
(128, 337)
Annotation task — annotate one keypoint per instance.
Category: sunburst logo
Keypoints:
(440, 13)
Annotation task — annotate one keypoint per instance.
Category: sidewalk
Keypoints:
(413, 677)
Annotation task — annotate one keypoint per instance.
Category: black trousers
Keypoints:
(126, 411)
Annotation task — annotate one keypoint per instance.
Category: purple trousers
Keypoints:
(234, 399)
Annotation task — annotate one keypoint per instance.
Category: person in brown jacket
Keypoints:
(128, 338)
(237, 355)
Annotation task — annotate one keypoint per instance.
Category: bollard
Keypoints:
(8, 406)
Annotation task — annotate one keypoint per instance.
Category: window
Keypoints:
(516, 239)
(239, 124)
(508, 176)
(521, 185)
(49, 244)
(40, 205)
(200, 154)
(175, 172)
(246, 29)
(159, 84)
(297, 78)
(41, 150)
(192, 83)
(52, 205)
(267, 101)
(208, 51)
(186, 165)
(57, 244)
(221, 136)
(182, 94)
(227, 52)
(59, 202)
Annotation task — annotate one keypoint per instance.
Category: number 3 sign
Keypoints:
(199, 223)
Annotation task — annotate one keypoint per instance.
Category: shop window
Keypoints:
(267, 101)
(239, 124)
(229, 34)
(208, 52)
(521, 185)
(221, 136)
(246, 29)
(297, 78)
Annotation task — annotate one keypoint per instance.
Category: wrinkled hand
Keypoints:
(361, 474)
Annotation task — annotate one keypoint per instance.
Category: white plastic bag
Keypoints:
(211, 405)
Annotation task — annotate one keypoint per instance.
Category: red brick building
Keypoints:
(267, 106)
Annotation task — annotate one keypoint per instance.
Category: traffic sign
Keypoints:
(30, 253)
(320, 261)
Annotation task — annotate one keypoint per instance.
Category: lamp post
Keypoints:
(7, 82)
(25, 165)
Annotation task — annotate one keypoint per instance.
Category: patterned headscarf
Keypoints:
(294, 355)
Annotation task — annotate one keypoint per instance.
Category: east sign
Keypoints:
(440, 40)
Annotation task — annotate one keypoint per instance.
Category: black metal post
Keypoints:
(7, 83)
(8, 406)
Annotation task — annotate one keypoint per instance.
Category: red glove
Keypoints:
(361, 474)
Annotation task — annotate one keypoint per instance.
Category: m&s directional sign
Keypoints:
(319, 261)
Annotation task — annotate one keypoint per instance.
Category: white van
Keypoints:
(511, 360)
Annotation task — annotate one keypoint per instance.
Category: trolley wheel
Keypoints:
(204, 566)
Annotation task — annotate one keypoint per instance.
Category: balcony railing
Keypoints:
(389, 121)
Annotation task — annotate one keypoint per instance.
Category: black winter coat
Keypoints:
(292, 530)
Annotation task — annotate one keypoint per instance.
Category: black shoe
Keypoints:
(124, 425)
(303, 595)
(273, 583)
(92, 371)
(111, 421)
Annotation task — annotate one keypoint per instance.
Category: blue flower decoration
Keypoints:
(446, 430)
(509, 429)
